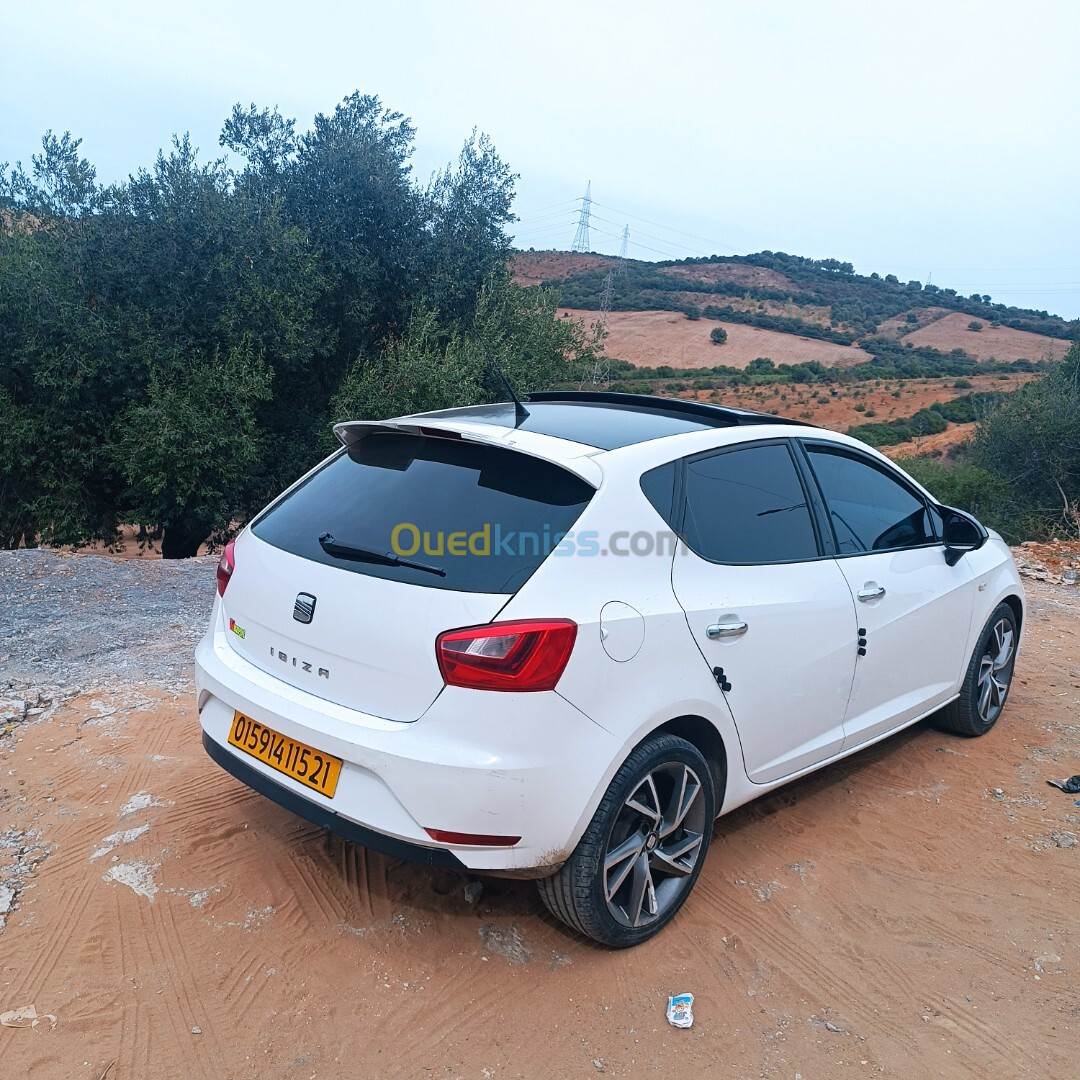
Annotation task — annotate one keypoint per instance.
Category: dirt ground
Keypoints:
(990, 343)
(909, 912)
(653, 338)
(886, 399)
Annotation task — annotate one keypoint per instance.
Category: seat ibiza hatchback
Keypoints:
(558, 640)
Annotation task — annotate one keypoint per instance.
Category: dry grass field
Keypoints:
(990, 343)
(536, 267)
(654, 338)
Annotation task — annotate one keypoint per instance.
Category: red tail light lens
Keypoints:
(225, 567)
(516, 656)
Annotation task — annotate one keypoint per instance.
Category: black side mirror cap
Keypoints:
(961, 534)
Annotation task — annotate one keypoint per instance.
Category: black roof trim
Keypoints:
(710, 415)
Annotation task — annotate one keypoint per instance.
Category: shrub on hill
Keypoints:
(857, 305)
(929, 421)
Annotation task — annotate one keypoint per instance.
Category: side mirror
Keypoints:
(961, 535)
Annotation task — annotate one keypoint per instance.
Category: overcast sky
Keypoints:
(910, 138)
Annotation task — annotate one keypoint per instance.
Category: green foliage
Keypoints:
(172, 345)
(929, 421)
(1032, 442)
(429, 367)
(200, 411)
(975, 325)
(718, 335)
(59, 184)
(967, 486)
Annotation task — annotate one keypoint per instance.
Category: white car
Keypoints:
(557, 640)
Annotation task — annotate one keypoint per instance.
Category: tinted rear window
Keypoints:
(485, 516)
(747, 506)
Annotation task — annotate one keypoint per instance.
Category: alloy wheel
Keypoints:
(995, 671)
(654, 845)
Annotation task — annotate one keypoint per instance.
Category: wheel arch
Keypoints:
(1017, 606)
(703, 735)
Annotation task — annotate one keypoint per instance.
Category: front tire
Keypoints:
(987, 679)
(644, 848)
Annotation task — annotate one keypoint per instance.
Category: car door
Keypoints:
(914, 610)
(771, 614)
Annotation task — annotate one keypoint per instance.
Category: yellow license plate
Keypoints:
(311, 767)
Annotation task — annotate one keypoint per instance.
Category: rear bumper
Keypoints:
(480, 763)
(325, 817)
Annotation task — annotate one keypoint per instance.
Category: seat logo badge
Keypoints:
(304, 609)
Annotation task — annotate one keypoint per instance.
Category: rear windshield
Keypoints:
(478, 518)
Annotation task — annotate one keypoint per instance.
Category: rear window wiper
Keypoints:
(338, 550)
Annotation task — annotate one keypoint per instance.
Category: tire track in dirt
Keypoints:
(58, 941)
(892, 887)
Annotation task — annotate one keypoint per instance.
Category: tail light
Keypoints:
(225, 567)
(517, 656)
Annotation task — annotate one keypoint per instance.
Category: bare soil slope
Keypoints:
(861, 403)
(536, 267)
(910, 912)
(990, 343)
(653, 338)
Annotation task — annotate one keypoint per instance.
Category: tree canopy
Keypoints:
(174, 348)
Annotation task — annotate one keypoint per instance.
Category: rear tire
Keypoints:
(643, 849)
(987, 679)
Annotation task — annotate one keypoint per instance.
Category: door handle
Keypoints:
(726, 629)
(870, 592)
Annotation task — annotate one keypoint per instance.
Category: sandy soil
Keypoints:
(990, 343)
(910, 912)
(653, 338)
(939, 443)
(840, 411)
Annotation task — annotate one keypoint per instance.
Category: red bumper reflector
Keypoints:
(471, 839)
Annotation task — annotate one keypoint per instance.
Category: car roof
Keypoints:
(579, 429)
(605, 420)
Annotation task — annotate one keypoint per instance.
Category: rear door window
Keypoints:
(748, 506)
(484, 517)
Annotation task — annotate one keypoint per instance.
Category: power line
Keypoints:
(552, 206)
(668, 228)
(581, 237)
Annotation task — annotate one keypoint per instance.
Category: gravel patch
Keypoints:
(72, 622)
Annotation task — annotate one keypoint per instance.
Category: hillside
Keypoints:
(654, 338)
(820, 300)
(804, 337)
(952, 331)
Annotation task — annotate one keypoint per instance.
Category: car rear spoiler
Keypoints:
(575, 457)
